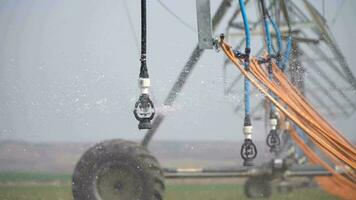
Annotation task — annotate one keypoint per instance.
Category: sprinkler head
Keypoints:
(248, 152)
(273, 141)
(144, 111)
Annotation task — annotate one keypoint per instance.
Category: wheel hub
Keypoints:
(118, 182)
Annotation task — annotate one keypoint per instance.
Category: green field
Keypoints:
(27, 186)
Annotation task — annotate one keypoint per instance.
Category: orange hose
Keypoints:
(321, 133)
(337, 184)
(298, 110)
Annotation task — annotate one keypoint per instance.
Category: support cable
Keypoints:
(186, 24)
(132, 27)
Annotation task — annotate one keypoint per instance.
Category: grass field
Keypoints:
(29, 186)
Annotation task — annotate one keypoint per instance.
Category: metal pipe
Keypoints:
(240, 172)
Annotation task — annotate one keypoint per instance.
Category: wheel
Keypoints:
(120, 170)
(258, 187)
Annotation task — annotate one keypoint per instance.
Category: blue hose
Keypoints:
(287, 53)
(278, 34)
(246, 24)
(268, 37)
(268, 42)
(281, 63)
(247, 86)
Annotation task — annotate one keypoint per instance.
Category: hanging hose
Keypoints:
(299, 154)
(144, 109)
(248, 148)
(287, 53)
(266, 28)
(272, 140)
(278, 35)
(289, 40)
(281, 61)
(143, 69)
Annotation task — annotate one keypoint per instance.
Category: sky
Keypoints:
(69, 70)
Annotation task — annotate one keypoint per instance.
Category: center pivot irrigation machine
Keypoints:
(297, 40)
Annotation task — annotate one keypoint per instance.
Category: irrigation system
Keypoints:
(294, 38)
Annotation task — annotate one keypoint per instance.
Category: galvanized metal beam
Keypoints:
(205, 33)
(240, 172)
(314, 80)
(317, 69)
(330, 41)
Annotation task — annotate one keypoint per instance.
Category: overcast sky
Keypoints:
(69, 69)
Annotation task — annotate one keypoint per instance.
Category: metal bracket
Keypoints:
(205, 34)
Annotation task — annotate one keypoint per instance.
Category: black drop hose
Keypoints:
(143, 69)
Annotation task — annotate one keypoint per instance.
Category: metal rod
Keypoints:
(320, 100)
(317, 50)
(238, 172)
(326, 92)
(233, 83)
(322, 74)
(326, 34)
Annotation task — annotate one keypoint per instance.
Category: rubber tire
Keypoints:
(258, 187)
(117, 153)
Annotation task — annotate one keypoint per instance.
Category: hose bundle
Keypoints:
(337, 184)
(297, 109)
